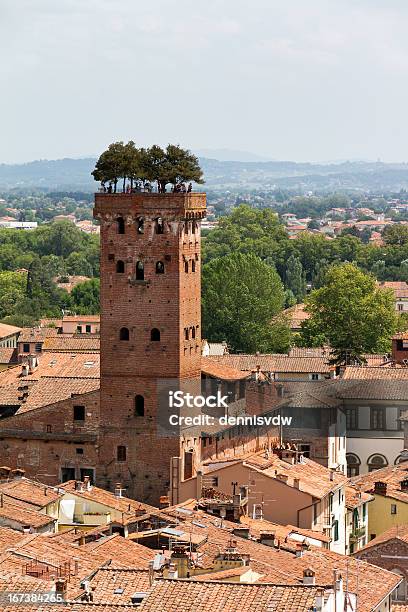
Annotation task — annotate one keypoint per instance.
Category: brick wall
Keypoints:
(169, 302)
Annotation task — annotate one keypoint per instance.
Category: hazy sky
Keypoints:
(287, 79)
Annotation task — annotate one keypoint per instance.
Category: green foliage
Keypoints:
(124, 161)
(85, 297)
(351, 314)
(295, 278)
(241, 295)
(246, 230)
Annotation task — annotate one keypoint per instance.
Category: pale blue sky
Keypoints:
(287, 79)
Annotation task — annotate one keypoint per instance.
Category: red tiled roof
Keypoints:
(212, 596)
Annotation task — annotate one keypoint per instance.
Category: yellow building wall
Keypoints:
(379, 514)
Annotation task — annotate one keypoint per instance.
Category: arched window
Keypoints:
(139, 405)
(140, 225)
(193, 266)
(186, 267)
(193, 332)
(186, 227)
(155, 335)
(193, 227)
(186, 333)
(121, 453)
(120, 225)
(159, 267)
(124, 334)
(353, 465)
(120, 266)
(139, 270)
(159, 226)
(376, 462)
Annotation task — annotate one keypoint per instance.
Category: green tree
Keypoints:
(351, 313)
(247, 230)
(241, 296)
(396, 235)
(295, 278)
(85, 297)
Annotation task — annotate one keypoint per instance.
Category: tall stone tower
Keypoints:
(150, 329)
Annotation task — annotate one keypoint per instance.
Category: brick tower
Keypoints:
(150, 329)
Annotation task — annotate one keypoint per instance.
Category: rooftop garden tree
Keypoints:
(172, 165)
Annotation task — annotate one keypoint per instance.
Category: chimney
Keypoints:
(61, 587)
(79, 485)
(296, 482)
(380, 488)
(282, 477)
(242, 532)
(87, 483)
(172, 571)
(404, 484)
(267, 538)
(199, 483)
(164, 501)
(26, 529)
(337, 581)
(331, 476)
(32, 363)
(24, 369)
(309, 577)
(17, 473)
(118, 489)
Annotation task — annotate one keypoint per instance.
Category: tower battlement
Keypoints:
(184, 205)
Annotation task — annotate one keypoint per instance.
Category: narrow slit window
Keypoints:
(139, 405)
(120, 225)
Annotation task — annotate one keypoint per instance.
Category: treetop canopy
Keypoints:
(173, 165)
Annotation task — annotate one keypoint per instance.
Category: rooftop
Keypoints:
(391, 476)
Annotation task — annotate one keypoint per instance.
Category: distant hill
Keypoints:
(75, 174)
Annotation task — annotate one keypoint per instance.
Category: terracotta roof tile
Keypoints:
(212, 596)
(392, 476)
(355, 498)
(220, 370)
(72, 344)
(29, 491)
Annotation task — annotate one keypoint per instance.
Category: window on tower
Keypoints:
(139, 271)
(186, 333)
(193, 332)
(159, 226)
(121, 225)
(120, 266)
(124, 334)
(193, 227)
(186, 267)
(121, 453)
(140, 225)
(155, 335)
(139, 405)
(193, 266)
(159, 267)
